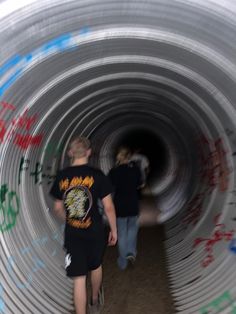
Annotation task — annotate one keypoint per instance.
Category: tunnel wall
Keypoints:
(104, 69)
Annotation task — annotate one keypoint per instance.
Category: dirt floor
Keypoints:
(144, 288)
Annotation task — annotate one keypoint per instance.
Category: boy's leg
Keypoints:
(80, 297)
(132, 235)
(96, 282)
(122, 242)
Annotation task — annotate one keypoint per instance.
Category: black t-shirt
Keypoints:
(126, 179)
(80, 187)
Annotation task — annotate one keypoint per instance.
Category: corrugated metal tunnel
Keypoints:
(160, 71)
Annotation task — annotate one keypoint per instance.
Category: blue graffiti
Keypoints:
(10, 267)
(12, 62)
(40, 241)
(84, 30)
(38, 264)
(59, 44)
(10, 81)
(2, 304)
(232, 246)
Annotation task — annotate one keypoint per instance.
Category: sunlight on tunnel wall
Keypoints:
(105, 69)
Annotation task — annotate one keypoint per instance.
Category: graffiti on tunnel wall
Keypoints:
(2, 303)
(37, 263)
(53, 149)
(214, 167)
(232, 246)
(24, 122)
(219, 304)
(219, 234)
(10, 207)
(9, 200)
(194, 209)
(37, 172)
(214, 172)
(17, 64)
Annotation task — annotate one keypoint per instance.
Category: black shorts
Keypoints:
(85, 256)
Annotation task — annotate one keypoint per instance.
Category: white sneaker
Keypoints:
(96, 308)
(131, 259)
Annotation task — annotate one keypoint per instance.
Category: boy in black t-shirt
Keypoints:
(126, 180)
(77, 189)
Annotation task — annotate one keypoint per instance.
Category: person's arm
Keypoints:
(109, 210)
(58, 206)
(140, 183)
(59, 209)
(147, 169)
(146, 166)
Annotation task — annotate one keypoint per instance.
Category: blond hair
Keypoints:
(123, 155)
(79, 146)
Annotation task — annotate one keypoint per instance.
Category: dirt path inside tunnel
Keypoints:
(144, 288)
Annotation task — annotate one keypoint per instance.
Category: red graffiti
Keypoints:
(2, 130)
(22, 122)
(219, 234)
(194, 210)
(214, 169)
(6, 106)
(214, 172)
(24, 141)
(223, 169)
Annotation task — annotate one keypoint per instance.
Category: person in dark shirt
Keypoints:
(77, 190)
(126, 180)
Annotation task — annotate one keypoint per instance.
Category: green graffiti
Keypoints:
(54, 149)
(3, 192)
(9, 208)
(219, 304)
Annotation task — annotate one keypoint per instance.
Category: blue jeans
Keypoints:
(127, 228)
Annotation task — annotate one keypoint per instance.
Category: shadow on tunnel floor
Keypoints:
(144, 288)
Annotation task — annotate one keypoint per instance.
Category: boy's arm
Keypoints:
(109, 210)
(59, 209)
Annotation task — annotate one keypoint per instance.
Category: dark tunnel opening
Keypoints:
(150, 145)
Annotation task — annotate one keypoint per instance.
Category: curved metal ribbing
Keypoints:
(108, 69)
